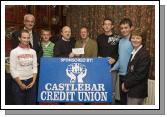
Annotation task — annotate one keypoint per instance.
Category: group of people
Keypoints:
(126, 52)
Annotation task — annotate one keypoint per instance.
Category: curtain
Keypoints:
(92, 16)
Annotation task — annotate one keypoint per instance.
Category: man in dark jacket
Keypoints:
(63, 47)
(29, 22)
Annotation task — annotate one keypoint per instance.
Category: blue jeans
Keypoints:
(26, 97)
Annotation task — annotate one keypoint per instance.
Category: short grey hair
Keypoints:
(28, 15)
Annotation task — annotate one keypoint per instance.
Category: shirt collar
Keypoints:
(46, 44)
(65, 39)
(135, 51)
(28, 30)
(24, 46)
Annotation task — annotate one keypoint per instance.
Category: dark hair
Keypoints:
(126, 21)
(109, 20)
(22, 31)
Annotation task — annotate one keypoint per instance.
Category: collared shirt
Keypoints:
(135, 51)
(46, 45)
(65, 39)
(48, 49)
(31, 37)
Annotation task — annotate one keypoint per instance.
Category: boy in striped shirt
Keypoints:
(47, 47)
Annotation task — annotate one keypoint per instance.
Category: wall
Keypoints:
(47, 16)
(142, 16)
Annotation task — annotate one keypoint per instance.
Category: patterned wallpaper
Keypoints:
(142, 16)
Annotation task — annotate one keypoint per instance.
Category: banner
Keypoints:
(75, 80)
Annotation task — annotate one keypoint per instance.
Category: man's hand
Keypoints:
(124, 89)
(111, 61)
(71, 55)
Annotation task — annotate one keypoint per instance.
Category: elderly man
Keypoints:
(29, 22)
(89, 45)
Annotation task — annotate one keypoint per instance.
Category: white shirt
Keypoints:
(31, 37)
(23, 63)
(135, 51)
(65, 39)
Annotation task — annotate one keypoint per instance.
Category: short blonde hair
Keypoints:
(45, 30)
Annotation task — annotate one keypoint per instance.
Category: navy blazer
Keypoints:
(36, 40)
(137, 75)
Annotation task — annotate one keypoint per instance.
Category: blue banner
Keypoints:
(75, 80)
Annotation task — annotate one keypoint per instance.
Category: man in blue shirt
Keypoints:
(125, 48)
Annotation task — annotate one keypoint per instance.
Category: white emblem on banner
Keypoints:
(76, 71)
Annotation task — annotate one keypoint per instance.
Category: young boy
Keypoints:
(47, 47)
(125, 48)
(108, 47)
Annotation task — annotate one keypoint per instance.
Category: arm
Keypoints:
(20, 83)
(139, 74)
(34, 70)
(116, 66)
(13, 70)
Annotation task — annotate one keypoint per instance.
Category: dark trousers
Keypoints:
(123, 95)
(26, 97)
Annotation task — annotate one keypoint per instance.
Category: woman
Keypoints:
(138, 70)
(23, 68)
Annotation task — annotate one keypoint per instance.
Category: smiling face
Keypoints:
(25, 38)
(136, 41)
(125, 30)
(66, 32)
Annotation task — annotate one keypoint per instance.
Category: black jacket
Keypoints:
(108, 46)
(137, 75)
(63, 48)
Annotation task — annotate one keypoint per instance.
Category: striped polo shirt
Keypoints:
(48, 49)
